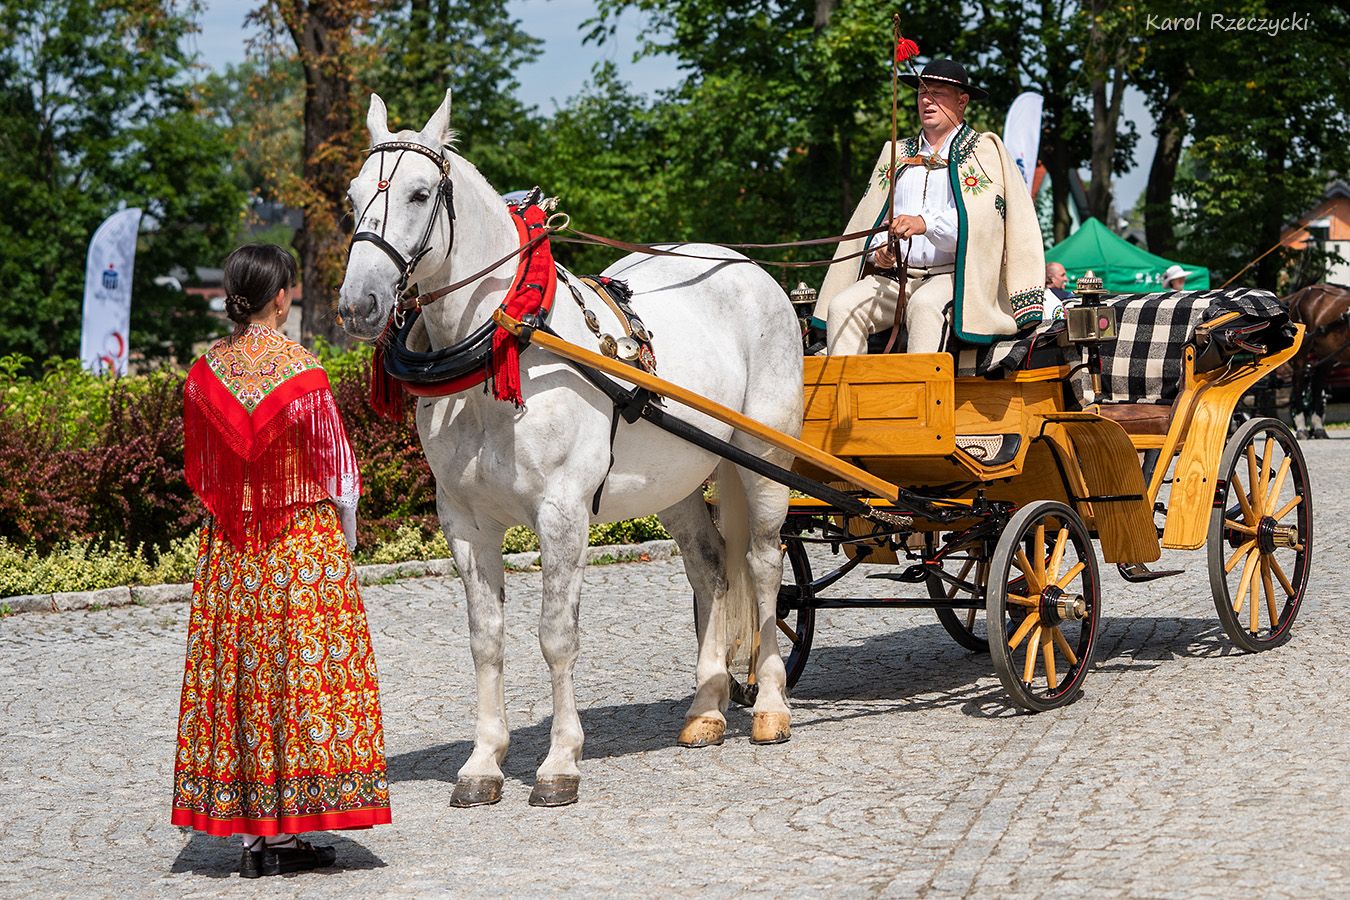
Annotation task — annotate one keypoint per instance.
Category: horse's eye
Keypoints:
(420, 196)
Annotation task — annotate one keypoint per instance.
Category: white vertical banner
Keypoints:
(107, 293)
(1022, 133)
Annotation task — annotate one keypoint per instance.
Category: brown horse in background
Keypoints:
(1324, 310)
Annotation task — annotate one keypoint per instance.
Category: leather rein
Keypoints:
(558, 222)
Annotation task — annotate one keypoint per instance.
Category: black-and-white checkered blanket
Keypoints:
(1144, 363)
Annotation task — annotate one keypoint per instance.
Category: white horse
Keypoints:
(723, 330)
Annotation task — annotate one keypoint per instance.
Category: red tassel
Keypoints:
(905, 49)
(506, 367)
(386, 393)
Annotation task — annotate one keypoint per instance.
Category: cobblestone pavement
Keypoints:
(1186, 768)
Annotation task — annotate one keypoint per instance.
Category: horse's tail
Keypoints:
(740, 609)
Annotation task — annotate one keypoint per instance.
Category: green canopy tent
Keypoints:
(1122, 267)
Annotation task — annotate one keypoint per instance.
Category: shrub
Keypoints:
(71, 567)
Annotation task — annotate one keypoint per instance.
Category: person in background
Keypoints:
(1057, 279)
(279, 729)
(1174, 279)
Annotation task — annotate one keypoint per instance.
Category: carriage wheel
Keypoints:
(1260, 535)
(796, 624)
(966, 626)
(1044, 594)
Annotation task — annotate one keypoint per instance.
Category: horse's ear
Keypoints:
(377, 120)
(437, 129)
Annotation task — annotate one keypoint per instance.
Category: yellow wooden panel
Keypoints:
(1209, 399)
(879, 406)
(1102, 452)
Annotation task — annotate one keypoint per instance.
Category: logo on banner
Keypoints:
(110, 277)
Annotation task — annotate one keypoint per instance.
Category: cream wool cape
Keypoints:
(999, 284)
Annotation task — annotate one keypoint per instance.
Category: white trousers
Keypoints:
(869, 306)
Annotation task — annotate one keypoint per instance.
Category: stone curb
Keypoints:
(380, 573)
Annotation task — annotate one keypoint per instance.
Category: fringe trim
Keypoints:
(252, 484)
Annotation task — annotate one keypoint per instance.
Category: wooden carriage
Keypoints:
(1005, 483)
(986, 476)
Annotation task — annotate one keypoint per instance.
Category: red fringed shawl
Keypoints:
(262, 435)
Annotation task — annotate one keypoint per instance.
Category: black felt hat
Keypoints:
(946, 71)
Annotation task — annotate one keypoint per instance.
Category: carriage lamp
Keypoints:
(803, 299)
(1089, 320)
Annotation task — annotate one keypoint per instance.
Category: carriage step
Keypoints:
(911, 575)
(1137, 572)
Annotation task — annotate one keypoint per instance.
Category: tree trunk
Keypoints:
(1159, 221)
(321, 31)
(1108, 90)
(824, 9)
(1272, 223)
(1105, 119)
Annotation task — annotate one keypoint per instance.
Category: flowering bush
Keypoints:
(92, 492)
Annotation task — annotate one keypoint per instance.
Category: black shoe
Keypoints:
(250, 864)
(294, 856)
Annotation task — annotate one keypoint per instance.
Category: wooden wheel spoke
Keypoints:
(1259, 492)
(1067, 578)
(1048, 653)
(1244, 586)
(1023, 601)
(1268, 584)
(784, 627)
(1057, 555)
(1281, 577)
(970, 620)
(1238, 526)
(1063, 644)
(1251, 479)
(1238, 554)
(1287, 508)
(1033, 650)
(1248, 513)
(1020, 634)
(1027, 570)
(1038, 552)
(1274, 493)
(953, 589)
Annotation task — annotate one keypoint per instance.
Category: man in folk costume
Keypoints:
(964, 255)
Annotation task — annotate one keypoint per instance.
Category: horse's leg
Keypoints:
(703, 553)
(479, 561)
(1298, 398)
(766, 505)
(1317, 427)
(563, 531)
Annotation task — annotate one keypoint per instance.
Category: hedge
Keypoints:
(92, 492)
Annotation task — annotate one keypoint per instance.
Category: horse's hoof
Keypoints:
(702, 731)
(476, 791)
(1320, 434)
(555, 790)
(770, 728)
(1301, 434)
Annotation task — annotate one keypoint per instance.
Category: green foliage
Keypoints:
(85, 567)
(474, 48)
(97, 115)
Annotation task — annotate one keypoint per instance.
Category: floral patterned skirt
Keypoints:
(279, 729)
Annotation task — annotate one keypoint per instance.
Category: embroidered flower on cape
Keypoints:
(974, 183)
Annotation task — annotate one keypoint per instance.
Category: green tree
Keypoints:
(97, 114)
(1267, 120)
(472, 47)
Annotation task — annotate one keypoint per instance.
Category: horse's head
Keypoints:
(403, 204)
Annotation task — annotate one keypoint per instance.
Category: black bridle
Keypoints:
(445, 199)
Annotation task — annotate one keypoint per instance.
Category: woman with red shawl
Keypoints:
(279, 730)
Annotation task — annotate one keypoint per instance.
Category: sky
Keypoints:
(564, 63)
